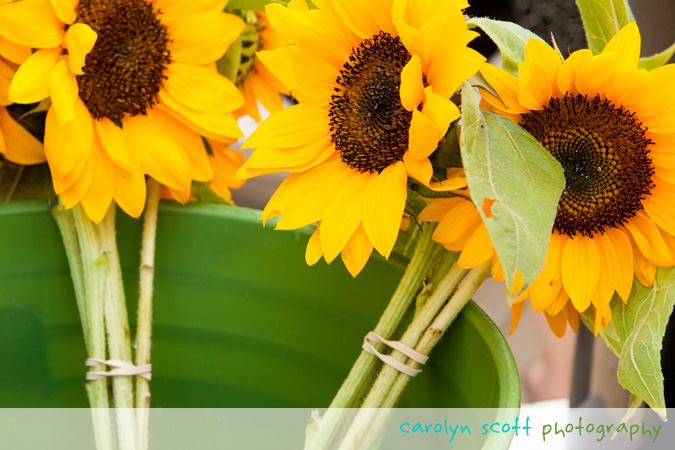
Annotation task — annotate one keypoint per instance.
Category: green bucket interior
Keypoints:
(239, 319)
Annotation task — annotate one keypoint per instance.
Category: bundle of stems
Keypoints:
(96, 273)
(439, 291)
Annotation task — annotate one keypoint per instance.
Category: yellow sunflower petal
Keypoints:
(79, 40)
(419, 169)
(98, 198)
(309, 79)
(646, 236)
(477, 250)
(65, 10)
(316, 32)
(545, 288)
(446, 74)
(628, 87)
(112, 139)
(497, 269)
(572, 316)
(580, 267)
(31, 81)
(313, 252)
(63, 92)
(516, 313)
(626, 45)
(285, 159)
(14, 52)
(172, 9)
(203, 38)
(610, 263)
(440, 111)
(423, 136)
(365, 19)
(32, 23)
(201, 89)
(567, 74)
(507, 86)
(438, 207)
(559, 303)
(73, 195)
(557, 323)
(383, 207)
(412, 85)
(68, 146)
(457, 226)
(592, 76)
(20, 146)
(301, 199)
(537, 75)
(159, 153)
(221, 127)
(645, 270)
(356, 253)
(343, 214)
(291, 127)
(130, 191)
(192, 144)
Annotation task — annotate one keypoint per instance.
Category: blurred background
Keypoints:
(545, 362)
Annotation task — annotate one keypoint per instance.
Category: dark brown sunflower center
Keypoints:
(605, 155)
(124, 71)
(368, 123)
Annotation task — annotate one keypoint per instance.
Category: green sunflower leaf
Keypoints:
(515, 184)
(635, 335)
(657, 60)
(255, 5)
(603, 19)
(509, 37)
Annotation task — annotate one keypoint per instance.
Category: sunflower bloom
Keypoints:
(16, 144)
(373, 81)
(612, 127)
(255, 81)
(133, 85)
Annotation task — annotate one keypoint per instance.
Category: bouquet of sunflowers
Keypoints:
(551, 173)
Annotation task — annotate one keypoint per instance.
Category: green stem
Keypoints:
(365, 431)
(447, 262)
(66, 223)
(117, 328)
(144, 331)
(93, 270)
(412, 335)
(320, 432)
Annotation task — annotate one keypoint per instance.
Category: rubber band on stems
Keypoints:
(121, 368)
(389, 360)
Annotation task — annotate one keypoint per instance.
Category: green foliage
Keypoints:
(202, 193)
(506, 164)
(448, 154)
(255, 5)
(657, 60)
(509, 37)
(228, 65)
(603, 19)
(19, 182)
(635, 335)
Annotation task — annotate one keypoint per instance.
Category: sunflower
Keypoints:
(611, 126)
(225, 163)
(133, 85)
(373, 80)
(16, 144)
(254, 80)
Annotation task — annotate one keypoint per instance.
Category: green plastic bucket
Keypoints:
(239, 318)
